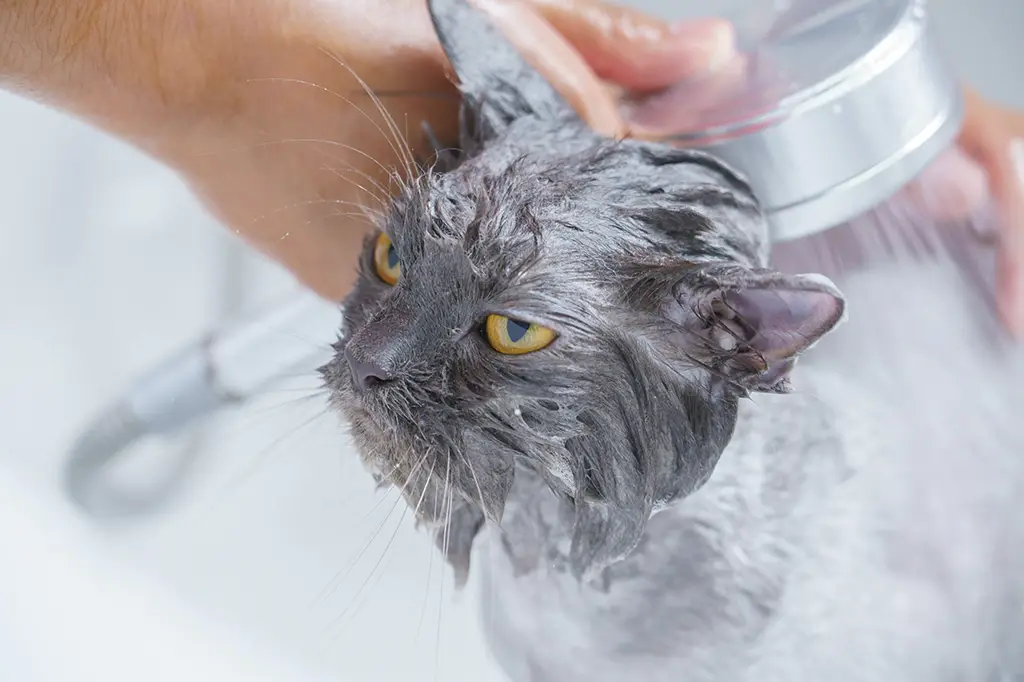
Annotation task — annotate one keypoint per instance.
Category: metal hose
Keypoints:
(228, 367)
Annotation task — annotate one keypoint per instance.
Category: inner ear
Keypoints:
(753, 325)
(782, 322)
(498, 82)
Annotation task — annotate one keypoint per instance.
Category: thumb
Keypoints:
(635, 50)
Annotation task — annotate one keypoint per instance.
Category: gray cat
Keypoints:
(577, 344)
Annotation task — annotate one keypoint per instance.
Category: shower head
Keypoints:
(833, 106)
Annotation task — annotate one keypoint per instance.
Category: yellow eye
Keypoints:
(515, 337)
(385, 260)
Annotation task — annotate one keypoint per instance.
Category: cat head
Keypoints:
(592, 309)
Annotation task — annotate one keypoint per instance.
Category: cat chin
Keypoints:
(363, 412)
(374, 446)
(604, 533)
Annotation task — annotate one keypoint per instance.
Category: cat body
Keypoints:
(576, 349)
(846, 534)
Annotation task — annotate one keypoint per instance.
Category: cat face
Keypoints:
(592, 309)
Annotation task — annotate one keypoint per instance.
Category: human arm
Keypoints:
(256, 103)
(259, 104)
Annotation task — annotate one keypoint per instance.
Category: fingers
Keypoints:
(952, 188)
(1008, 187)
(994, 138)
(541, 45)
(575, 44)
(637, 51)
(687, 106)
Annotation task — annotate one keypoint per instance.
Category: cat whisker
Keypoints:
(379, 502)
(387, 477)
(369, 219)
(429, 94)
(380, 194)
(423, 493)
(340, 577)
(297, 81)
(315, 391)
(379, 201)
(309, 140)
(374, 573)
(353, 607)
(236, 479)
(397, 143)
(430, 559)
(313, 344)
(335, 582)
(263, 411)
(338, 95)
(476, 483)
(386, 192)
(261, 456)
(407, 156)
(444, 552)
(312, 202)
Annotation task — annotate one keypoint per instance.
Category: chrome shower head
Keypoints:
(835, 106)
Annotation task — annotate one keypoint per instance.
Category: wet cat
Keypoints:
(577, 344)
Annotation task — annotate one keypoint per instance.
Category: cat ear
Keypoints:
(497, 84)
(751, 325)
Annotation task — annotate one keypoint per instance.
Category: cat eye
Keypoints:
(515, 337)
(385, 260)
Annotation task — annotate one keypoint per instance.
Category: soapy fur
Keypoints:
(664, 497)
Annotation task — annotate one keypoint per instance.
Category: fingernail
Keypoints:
(714, 40)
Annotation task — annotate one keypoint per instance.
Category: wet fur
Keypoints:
(665, 506)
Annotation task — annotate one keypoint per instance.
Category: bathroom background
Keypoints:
(260, 568)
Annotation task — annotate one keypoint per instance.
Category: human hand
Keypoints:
(985, 169)
(993, 136)
(289, 146)
(986, 164)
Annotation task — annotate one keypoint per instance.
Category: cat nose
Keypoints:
(367, 372)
